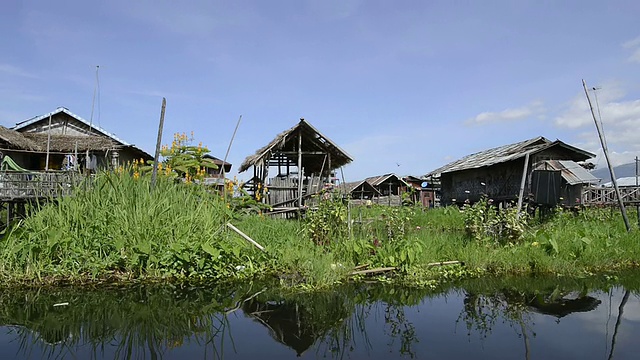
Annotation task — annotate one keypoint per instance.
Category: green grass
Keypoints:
(118, 229)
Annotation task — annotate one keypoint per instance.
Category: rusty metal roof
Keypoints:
(572, 172)
(506, 153)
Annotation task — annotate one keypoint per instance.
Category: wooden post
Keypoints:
(75, 154)
(46, 163)
(154, 173)
(224, 162)
(637, 206)
(300, 168)
(606, 156)
(523, 182)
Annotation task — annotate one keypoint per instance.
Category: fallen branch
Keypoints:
(373, 271)
(445, 263)
(246, 237)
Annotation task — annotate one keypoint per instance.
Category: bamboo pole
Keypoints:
(373, 271)
(46, 164)
(523, 181)
(224, 162)
(246, 237)
(300, 168)
(154, 173)
(606, 156)
(441, 263)
(637, 206)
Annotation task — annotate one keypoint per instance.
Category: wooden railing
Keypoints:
(606, 195)
(36, 184)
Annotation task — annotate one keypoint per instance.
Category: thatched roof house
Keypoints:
(500, 172)
(61, 133)
(304, 159)
(317, 149)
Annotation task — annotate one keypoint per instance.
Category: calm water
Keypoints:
(523, 318)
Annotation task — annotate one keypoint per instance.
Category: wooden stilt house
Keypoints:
(511, 172)
(390, 188)
(61, 134)
(297, 164)
(361, 191)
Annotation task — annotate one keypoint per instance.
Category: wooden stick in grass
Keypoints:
(246, 237)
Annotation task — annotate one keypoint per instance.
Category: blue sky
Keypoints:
(403, 86)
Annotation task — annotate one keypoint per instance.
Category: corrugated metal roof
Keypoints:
(503, 154)
(624, 181)
(571, 172)
(28, 122)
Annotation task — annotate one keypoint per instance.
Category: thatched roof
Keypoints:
(378, 180)
(68, 143)
(313, 141)
(57, 143)
(362, 186)
(14, 139)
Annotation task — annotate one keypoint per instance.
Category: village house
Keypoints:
(297, 164)
(425, 191)
(539, 170)
(67, 141)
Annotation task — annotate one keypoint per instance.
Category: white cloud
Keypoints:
(620, 121)
(634, 46)
(15, 71)
(535, 108)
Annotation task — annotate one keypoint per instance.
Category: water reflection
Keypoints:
(503, 318)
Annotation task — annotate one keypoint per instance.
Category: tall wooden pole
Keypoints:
(637, 206)
(224, 162)
(606, 156)
(154, 174)
(46, 165)
(523, 181)
(300, 168)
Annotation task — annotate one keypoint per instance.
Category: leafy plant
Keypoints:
(328, 222)
(486, 224)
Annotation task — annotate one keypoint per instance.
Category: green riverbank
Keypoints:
(119, 230)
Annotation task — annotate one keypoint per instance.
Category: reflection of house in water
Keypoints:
(562, 306)
(285, 321)
(293, 324)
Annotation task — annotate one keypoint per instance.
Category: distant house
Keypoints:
(425, 191)
(528, 169)
(68, 140)
(627, 181)
(216, 176)
(295, 165)
(388, 184)
(384, 189)
(360, 191)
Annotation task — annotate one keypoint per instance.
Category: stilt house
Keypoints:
(294, 166)
(390, 186)
(65, 136)
(361, 191)
(425, 190)
(527, 170)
